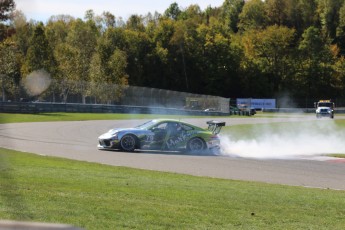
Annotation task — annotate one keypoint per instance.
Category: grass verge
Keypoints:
(43, 117)
(94, 196)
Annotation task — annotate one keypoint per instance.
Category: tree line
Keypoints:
(258, 49)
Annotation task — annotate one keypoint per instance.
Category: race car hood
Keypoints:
(112, 132)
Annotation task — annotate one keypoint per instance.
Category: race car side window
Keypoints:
(161, 126)
(186, 127)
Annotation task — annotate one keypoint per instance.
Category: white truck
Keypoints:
(324, 108)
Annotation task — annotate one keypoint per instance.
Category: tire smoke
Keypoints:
(296, 141)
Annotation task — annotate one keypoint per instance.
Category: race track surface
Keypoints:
(78, 141)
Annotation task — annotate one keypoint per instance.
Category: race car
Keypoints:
(164, 135)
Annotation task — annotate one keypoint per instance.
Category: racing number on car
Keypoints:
(149, 138)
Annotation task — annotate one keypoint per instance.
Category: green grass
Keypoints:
(44, 117)
(94, 196)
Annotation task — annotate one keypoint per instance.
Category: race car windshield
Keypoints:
(146, 125)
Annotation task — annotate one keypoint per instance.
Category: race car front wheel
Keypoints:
(128, 143)
(195, 144)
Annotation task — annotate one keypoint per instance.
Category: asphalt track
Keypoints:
(78, 140)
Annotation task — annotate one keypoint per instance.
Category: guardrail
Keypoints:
(299, 110)
(40, 107)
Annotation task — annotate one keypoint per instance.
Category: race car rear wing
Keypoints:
(215, 126)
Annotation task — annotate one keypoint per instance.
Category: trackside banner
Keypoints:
(257, 103)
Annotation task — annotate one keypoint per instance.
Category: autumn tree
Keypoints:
(9, 68)
(57, 30)
(216, 61)
(109, 19)
(24, 31)
(276, 12)
(316, 62)
(81, 43)
(329, 16)
(173, 11)
(253, 15)
(108, 68)
(242, 48)
(270, 51)
(39, 54)
(231, 10)
(340, 32)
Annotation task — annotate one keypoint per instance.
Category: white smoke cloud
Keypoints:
(310, 139)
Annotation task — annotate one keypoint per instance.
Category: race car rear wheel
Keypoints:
(195, 145)
(128, 143)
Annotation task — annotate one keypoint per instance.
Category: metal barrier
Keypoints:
(40, 107)
(300, 110)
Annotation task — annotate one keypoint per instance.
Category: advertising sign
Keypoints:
(257, 103)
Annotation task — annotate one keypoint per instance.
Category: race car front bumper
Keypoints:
(108, 144)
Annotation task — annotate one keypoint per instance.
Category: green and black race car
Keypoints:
(165, 135)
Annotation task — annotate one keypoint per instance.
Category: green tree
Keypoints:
(293, 15)
(160, 69)
(57, 30)
(316, 71)
(9, 68)
(6, 12)
(109, 19)
(231, 10)
(253, 15)
(178, 40)
(138, 47)
(39, 54)
(273, 47)
(108, 72)
(6, 9)
(329, 16)
(338, 78)
(218, 62)
(276, 11)
(81, 42)
(65, 56)
(270, 51)
(308, 9)
(173, 11)
(341, 30)
(192, 13)
(135, 22)
(24, 31)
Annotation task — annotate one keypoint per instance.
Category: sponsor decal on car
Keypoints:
(174, 141)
